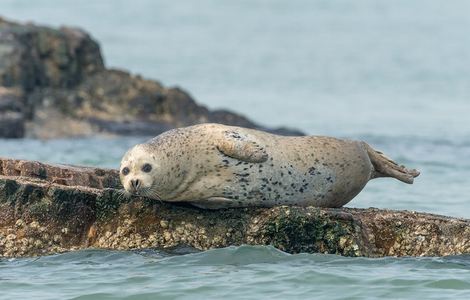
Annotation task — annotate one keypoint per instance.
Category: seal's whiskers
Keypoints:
(122, 194)
(153, 192)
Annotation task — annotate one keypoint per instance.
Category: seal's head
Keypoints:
(139, 171)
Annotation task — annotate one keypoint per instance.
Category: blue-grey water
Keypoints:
(393, 73)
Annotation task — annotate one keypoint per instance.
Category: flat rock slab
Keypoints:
(46, 209)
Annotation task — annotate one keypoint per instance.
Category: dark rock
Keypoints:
(130, 127)
(61, 74)
(11, 115)
(11, 125)
(10, 100)
(34, 56)
(46, 209)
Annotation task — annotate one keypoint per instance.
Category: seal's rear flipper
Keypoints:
(385, 167)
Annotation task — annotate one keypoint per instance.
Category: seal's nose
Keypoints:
(135, 183)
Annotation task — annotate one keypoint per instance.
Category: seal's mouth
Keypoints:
(137, 191)
(149, 192)
(133, 190)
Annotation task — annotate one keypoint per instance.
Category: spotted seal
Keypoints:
(218, 166)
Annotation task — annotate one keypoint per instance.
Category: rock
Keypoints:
(11, 125)
(67, 91)
(62, 208)
(11, 114)
(35, 56)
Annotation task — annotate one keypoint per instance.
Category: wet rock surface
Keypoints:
(46, 209)
(60, 81)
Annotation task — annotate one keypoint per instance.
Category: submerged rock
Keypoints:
(46, 209)
(67, 91)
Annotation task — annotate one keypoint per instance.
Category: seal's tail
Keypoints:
(385, 167)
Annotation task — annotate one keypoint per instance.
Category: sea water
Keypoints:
(393, 73)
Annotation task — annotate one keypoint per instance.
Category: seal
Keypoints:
(217, 166)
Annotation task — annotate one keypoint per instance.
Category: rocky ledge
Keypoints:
(46, 209)
(53, 83)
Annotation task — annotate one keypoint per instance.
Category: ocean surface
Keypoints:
(393, 73)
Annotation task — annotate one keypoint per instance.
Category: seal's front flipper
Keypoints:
(385, 167)
(241, 147)
(213, 203)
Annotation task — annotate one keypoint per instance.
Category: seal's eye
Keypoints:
(147, 168)
(125, 171)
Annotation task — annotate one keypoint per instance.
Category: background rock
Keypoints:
(35, 56)
(11, 113)
(67, 91)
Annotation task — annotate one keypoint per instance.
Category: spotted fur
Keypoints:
(217, 166)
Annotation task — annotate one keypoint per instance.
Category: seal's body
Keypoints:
(216, 166)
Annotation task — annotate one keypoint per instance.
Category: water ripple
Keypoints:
(232, 273)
